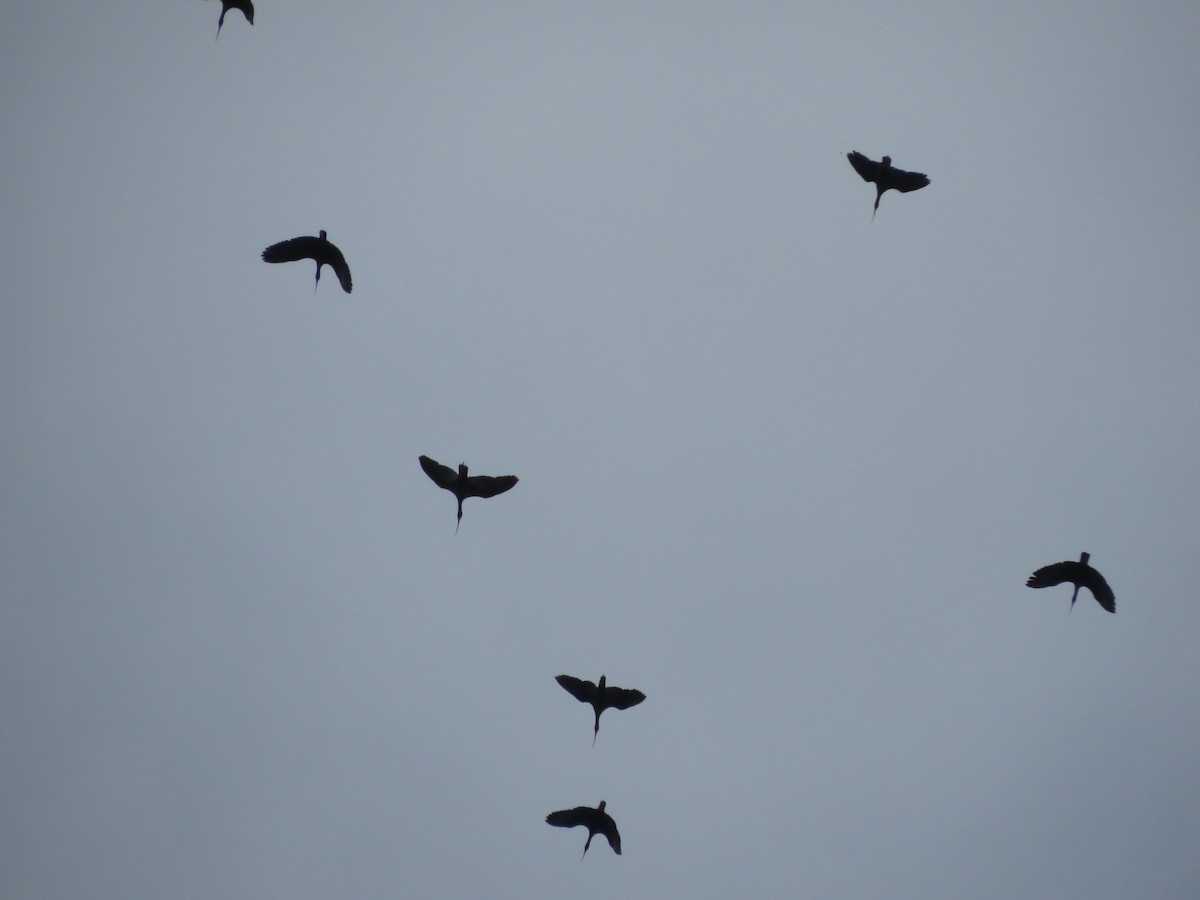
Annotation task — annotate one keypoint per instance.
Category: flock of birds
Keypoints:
(462, 485)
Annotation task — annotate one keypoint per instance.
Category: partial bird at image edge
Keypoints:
(246, 6)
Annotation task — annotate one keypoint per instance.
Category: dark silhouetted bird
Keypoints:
(245, 6)
(885, 177)
(1078, 573)
(462, 486)
(596, 821)
(314, 248)
(601, 696)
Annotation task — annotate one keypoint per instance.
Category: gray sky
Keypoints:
(783, 468)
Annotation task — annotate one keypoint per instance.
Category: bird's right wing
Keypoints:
(581, 690)
(489, 485)
(623, 698)
(443, 476)
(908, 181)
(607, 827)
(1101, 591)
(867, 168)
(569, 818)
(1056, 573)
(337, 262)
(292, 250)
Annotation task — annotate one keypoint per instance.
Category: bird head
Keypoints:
(886, 161)
(323, 235)
(1084, 557)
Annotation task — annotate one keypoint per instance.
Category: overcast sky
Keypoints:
(783, 468)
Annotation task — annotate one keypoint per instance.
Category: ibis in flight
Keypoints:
(315, 248)
(884, 177)
(1079, 574)
(461, 486)
(245, 6)
(601, 696)
(596, 821)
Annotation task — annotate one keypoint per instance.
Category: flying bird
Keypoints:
(1081, 575)
(596, 821)
(462, 486)
(601, 696)
(885, 177)
(314, 248)
(245, 6)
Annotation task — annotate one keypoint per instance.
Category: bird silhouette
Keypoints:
(462, 486)
(885, 177)
(245, 6)
(1078, 573)
(601, 696)
(314, 248)
(596, 821)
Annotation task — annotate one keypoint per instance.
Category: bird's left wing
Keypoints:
(569, 818)
(581, 690)
(443, 476)
(1055, 573)
(292, 250)
(489, 485)
(867, 168)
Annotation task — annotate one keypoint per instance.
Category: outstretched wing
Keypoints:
(581, 690)
(569, 818)
(1104, 595)
(306, 247)
(488, 485)
(867, 168)
(906, 181)
(443, 476)
(622, 698)
(606, 826)
(1057, 573)
(334, 259)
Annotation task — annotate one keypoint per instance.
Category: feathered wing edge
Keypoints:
(489, 485)
(443, 476)
(581, 690)
(623, 698)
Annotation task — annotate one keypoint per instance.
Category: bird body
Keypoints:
(462, 485)
(596, 821)
(884, 177)
(601, 696)
(318, 249)
(245, 6)
(1081, 574)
